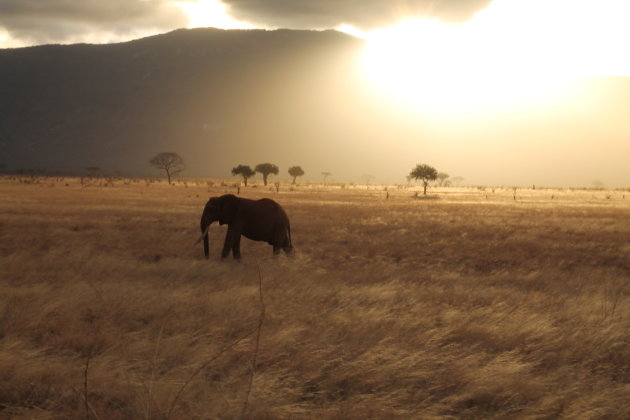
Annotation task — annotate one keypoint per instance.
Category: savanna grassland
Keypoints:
(472, 304)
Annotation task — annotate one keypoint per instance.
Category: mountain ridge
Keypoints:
(67, 107)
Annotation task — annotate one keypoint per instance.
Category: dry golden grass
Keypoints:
(471, 305)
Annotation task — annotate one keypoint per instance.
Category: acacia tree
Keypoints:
(245, 171)
(425, 173)
(266, 169)
(295, 171)
(442, 179)
(169, 162)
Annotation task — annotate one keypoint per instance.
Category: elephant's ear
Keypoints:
(229, 206)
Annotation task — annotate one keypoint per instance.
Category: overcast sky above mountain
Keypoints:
(32, 22)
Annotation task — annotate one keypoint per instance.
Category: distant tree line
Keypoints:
(171, 163)
(265, 169)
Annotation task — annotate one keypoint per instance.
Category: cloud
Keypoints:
(28, 22)
(364, 14)
(62, 21)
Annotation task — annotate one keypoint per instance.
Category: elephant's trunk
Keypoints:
(207, 217)
(204, 237)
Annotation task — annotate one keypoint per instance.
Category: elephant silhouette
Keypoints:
(258, 220)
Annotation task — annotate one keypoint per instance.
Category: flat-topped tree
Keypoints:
(245, 171)
(425, 173)
(169, 162)
(295, 171)
(266, 169)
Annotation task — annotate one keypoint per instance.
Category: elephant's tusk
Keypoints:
(205, 232)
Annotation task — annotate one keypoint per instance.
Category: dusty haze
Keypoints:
(223, 98)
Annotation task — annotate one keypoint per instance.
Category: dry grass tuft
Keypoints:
(473, 305)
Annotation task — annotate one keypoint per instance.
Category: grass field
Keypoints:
(471, 304)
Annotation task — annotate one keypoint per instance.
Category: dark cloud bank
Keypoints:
(364, 14)
(62, 21)
(53, 21)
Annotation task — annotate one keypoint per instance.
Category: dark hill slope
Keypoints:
(218, 98)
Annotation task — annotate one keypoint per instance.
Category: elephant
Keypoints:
(258, 220)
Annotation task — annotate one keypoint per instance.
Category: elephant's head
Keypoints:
(222, 209)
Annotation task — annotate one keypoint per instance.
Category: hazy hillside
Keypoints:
(216, 97)
(222, 98)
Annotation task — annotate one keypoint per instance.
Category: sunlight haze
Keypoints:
(512, 53)
(211, 13)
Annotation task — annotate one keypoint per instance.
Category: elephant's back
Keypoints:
(267, 203)
(263, 219)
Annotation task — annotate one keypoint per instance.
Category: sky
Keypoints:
(445, 59)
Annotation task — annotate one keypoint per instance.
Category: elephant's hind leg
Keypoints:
(278, 239)
(287, 247)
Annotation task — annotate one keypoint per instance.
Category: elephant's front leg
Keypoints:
(232, 240)
(236, 247)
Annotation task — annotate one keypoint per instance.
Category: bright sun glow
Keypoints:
(513, 53)
(210, 13)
